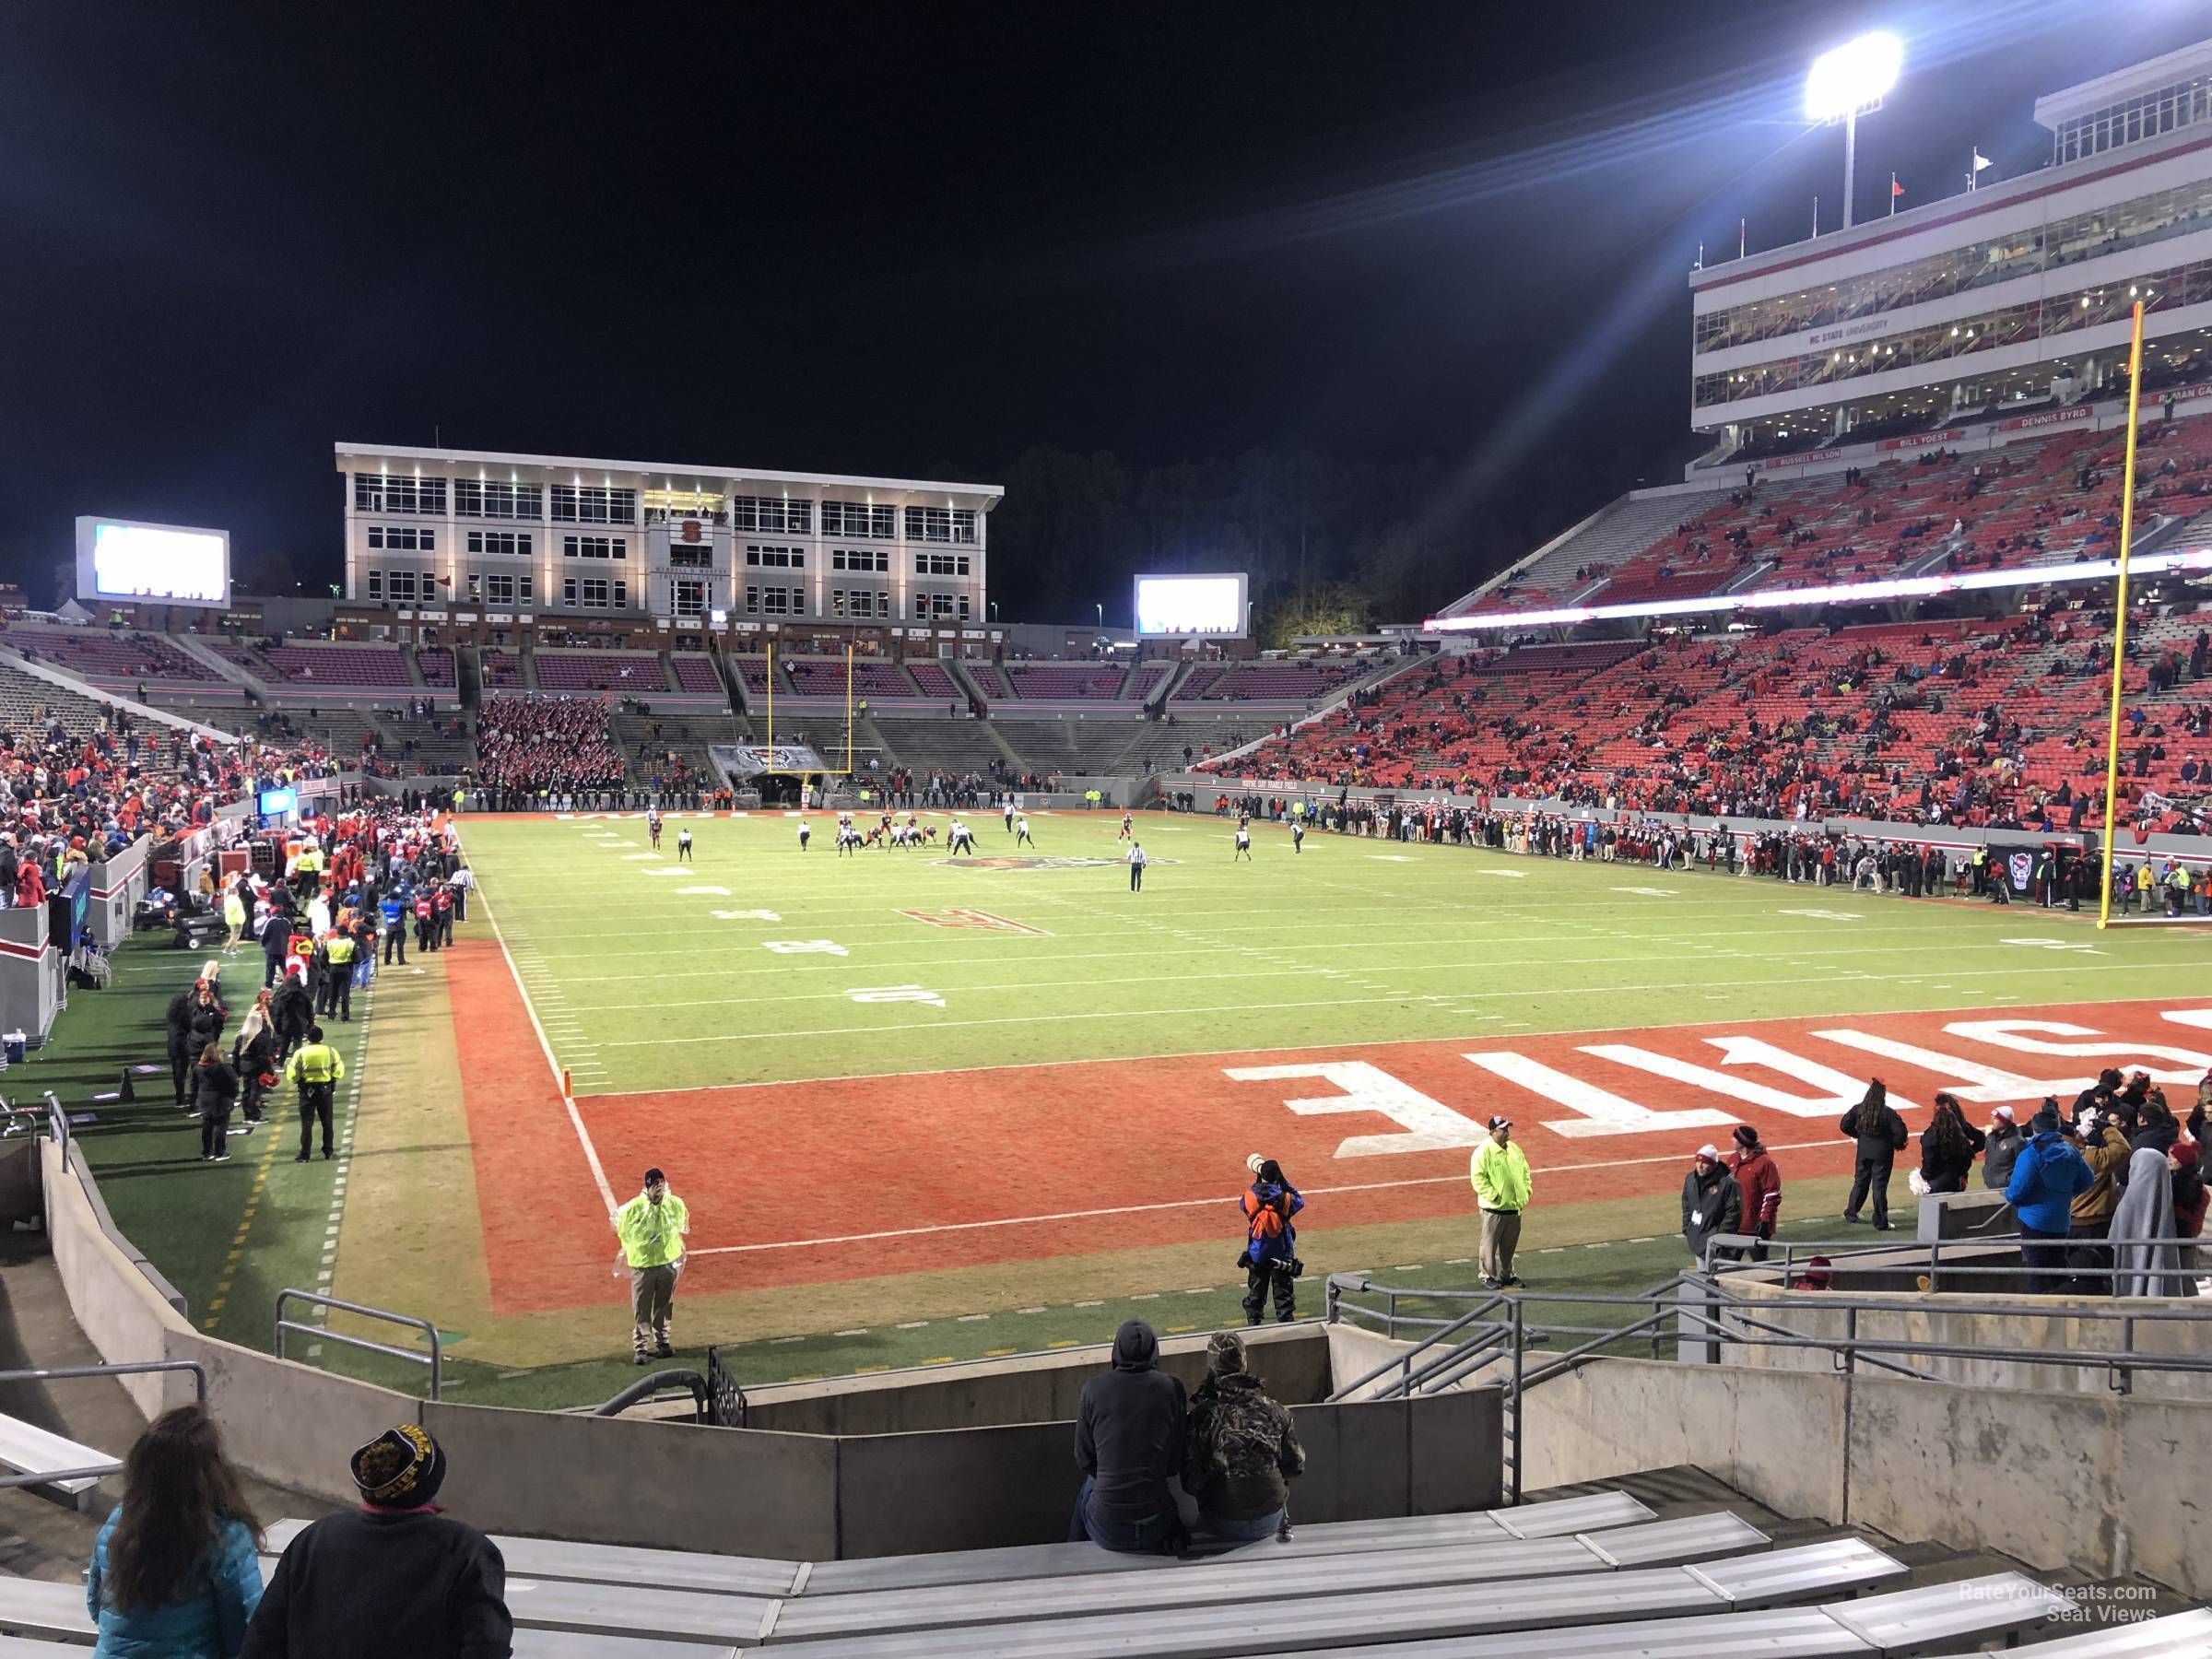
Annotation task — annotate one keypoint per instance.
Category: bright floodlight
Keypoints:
(1853, 77)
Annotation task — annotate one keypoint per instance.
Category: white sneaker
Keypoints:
(221, 1157)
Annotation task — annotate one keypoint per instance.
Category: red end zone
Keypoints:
(821, 1182)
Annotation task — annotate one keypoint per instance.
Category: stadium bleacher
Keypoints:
(937, 682)
(2043, 501)
(696, 674)
(873, 679)
(110, 658)
(1065, 682)
(1296, 682)
(501, 670)
(626, 672)
(436, 663)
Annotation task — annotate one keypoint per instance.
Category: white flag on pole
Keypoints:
(1982, 160)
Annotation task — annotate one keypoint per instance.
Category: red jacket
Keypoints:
(1760, 1181)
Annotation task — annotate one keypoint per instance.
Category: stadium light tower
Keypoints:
(1848, 82)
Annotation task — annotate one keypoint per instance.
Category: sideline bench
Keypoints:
(1554, 1519)
(1243, 1627)
(2176, 1636)
(619, 1564)
(28, 1450)
(1262, 1579)
(1975, 1610)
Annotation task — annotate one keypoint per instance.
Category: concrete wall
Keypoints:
(1034, 1388)
(621, 1480)
(2100, 1484)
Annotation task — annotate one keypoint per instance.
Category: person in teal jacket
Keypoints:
(176, 1572)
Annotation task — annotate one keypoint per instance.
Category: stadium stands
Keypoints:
(988, 680)
(1064, 682)
(2044, 501)
(825, 676)
(1965, 723)
(1265, 682)
(501, 670)
(436, 663)
(110, 658)
(696, 675)
(625, 673)
(937, 682)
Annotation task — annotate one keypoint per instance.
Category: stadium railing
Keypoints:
(321, 1333)
(84, 1473)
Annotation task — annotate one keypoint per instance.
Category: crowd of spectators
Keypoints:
(528, 746)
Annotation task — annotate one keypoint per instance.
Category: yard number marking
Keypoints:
(2045, 943)
(1821, 915)
(805, 947)
(1648, 892)
(743, 915)
(896, 994)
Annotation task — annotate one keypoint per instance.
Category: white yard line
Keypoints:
(1173, 1204)
(2162, 969)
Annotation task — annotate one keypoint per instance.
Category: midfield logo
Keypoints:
(971, 918)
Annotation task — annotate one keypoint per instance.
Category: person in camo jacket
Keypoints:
(1240, 1449)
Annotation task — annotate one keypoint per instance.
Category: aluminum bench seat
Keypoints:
(605, 1614)
(1327, 1537)
(617, 1564)
(1216, 1630)
(28, 1449)
(1934, 1618)
(37, 1607)
(1259, 1580)
(30, 1647)
(1971, 1610)
(2177, 1635)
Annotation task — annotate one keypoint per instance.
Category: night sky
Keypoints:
(919, 240)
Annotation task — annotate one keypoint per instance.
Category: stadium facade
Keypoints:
(2010, 301)
(516, 539)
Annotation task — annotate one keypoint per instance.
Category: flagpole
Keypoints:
(1743, 237)
(1815, 219)
(771, 768)
(848, 709)
(2128, 528)
(1892, 196)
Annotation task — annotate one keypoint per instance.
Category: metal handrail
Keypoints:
(644, 1388)
(1795, 1254)
(61, 1373)
(324, 1333)
(1339, 1282)
(57, 1125)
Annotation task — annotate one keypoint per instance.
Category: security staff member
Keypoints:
(652, 1227)
(337, 982)
(394, 909)
(316, 1069)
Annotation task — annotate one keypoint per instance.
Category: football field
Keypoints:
(926, 1109)
(899, 1083)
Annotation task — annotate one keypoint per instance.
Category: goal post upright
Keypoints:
(2127, 527)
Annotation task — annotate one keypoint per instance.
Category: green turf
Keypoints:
(145, 1154)
(1355, 938)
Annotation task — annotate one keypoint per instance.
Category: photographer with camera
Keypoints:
(1270, 1254)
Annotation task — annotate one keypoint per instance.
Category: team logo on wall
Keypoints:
(2022, 865)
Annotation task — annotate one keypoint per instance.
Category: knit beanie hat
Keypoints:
(401, 1468)
(1224, 1354)
(1746, 1137)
